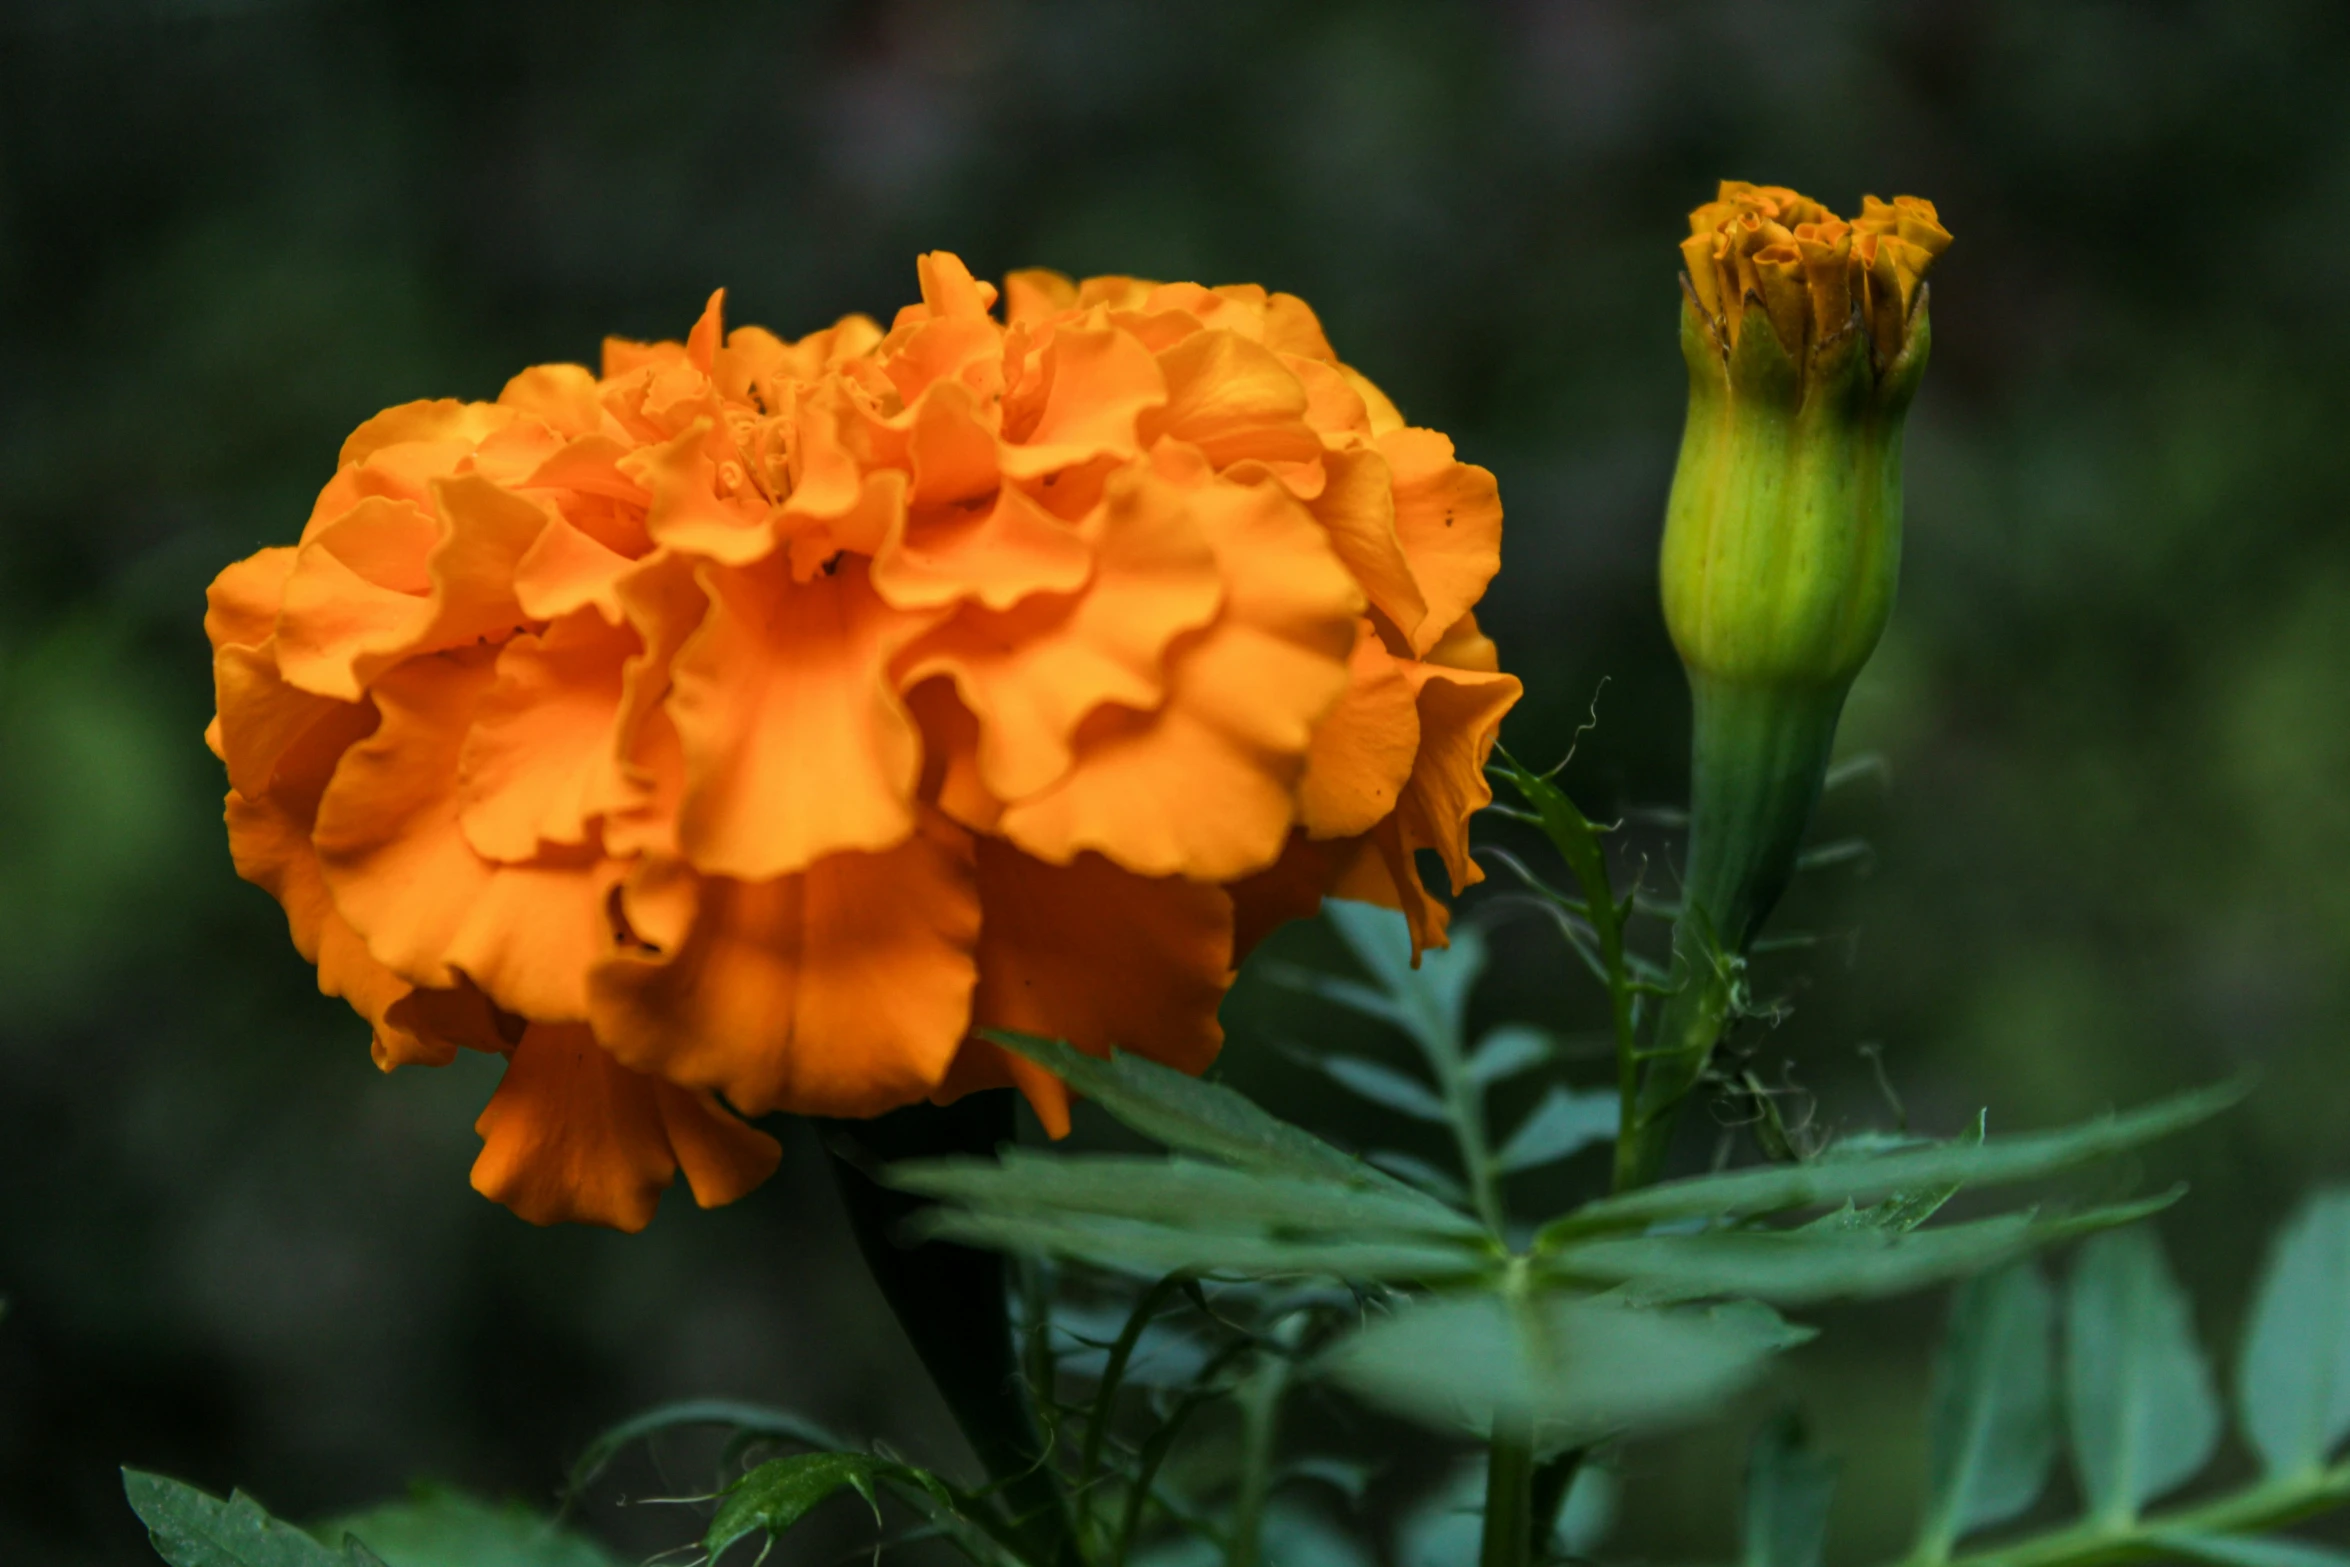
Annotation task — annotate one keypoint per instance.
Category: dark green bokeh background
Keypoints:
(2114, 856)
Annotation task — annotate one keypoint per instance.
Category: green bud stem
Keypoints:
(1782, 548)
(1757, 762)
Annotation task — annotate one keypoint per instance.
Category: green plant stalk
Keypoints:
(1509, 1497)
(1758, 759)
(1782, 550)
(2097, 1543)
(954, 1304)
(1260, 1428)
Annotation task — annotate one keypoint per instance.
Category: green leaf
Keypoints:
(1561, 1126)
(193, 1528)
(780, 1492)
(2293, 1382)
(753, 1419)
(1788, 1489)
(2139, 1399)
(1182, 1193)
(1192, 1116)
(1991, 1424)
(1866, 1177)
(1416, 1171)
(1801, 1266)
(1576, 1367)
(1149, 1250)
(1384, 1086)
(439, 1527)
(2248, 1550)
(1431, 999)
(1508, 1050)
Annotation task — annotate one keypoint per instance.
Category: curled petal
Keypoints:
(994, 556)
(796, 744)
(537, 762)
(1204, 787)
(1234, 400)
(1032, 673)
(573, 1136)
(1357, 505)
(1102, 381)
(1460, 718)
(1097, 956)
(398, 866)
(343, 623)
(240, 607)
(1363, 751)
(1448, 517)
(842, 990)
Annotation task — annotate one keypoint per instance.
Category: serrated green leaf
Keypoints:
(1561, 1126)
(193, 1528)
(782, 1491)
(1506, 1051)
(1416, 1171)
(1991, 1423)
(1384, 1086)
(2293, 1380)
(1182, 1193)
(1432, 999)
(440, 1527)
(2249, 1550)
(1860, 1178)
(1788, 1489)
(1574, 1367)
(1192, 1116)
(1802, 1266)
(2139, 1400)
(1150, 1250)
(755, 1419)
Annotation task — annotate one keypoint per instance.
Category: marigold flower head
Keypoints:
(743, 727)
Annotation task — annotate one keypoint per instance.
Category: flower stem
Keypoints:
(953, 1302)
(1758, 756)
(1509, 1496)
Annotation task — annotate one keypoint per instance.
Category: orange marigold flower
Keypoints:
(742, 728)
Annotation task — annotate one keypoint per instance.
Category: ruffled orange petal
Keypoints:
(842, 990)
(1234, 400)
(796, 743)
(1102, 381)
(346, 618)
(561, 396)
(1363, 752)
(1380, 869)
(1448, 517)
(1357, 505)
(1097, 956)
(1460, 719)
(240, 607)
(1204, 787)
(571, 1136)
(269, 840)
(536, 764)
(995, 556)
(1032, 673)
(396, 861)
(442, 420)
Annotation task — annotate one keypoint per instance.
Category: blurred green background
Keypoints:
(2112, 839)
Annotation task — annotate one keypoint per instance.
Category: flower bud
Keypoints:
(1805, 337)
